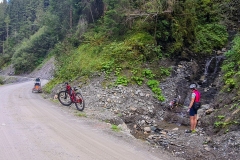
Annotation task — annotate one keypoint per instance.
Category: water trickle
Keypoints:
(218, 59)
(208, 63)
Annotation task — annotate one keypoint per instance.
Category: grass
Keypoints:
(115, 128)
(81, 114)
(116, 58)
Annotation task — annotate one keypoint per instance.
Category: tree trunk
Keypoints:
(71, 17)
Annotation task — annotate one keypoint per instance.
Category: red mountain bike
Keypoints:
(70, 96)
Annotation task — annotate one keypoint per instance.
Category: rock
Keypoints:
(123, 127)
(205, 106)
(207, 148)
(55, 96)
(224, 49)
(147, 129)
(164, 133)
(209, 111)
(133, 109)
(208, 139)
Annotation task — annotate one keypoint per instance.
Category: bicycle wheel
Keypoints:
(80, 103)
(64, 98)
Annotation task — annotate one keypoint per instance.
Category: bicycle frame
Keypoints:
(72, 94)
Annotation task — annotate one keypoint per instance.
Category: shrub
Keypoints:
(210, 37)
(153, 84)
(122, 80)
(231, 66)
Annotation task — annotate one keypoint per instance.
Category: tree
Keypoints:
(3, 7)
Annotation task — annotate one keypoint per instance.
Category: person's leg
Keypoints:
(195, 119)
(192, 122)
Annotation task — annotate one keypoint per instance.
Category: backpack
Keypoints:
(197, 103)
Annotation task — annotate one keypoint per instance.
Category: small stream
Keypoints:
(212, 67)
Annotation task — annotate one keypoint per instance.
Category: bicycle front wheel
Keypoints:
(80, 103)
(64, 98)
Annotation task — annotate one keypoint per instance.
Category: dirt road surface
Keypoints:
(32, 128)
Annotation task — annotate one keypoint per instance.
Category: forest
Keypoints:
(119, 37)
(130, 43)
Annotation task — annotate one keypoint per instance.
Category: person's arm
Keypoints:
(191, 103)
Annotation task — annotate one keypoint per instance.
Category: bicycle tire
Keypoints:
(80, 103)
(64, 98)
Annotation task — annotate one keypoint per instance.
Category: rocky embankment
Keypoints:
(135, 110)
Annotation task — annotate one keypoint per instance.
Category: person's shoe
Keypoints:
(193, 131)
(188, 131)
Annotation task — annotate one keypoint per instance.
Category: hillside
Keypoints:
(131, 59)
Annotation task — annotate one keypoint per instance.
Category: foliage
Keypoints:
(30, 53)
(164, 71)
(220, 117)
(138, 80)
(115, 128)
(122, 80)
(143, 43)
(81, 114)
(195, 25)
(113, 17)
(154, 85)
(148, 74)
(231, 66)
(220, 124)
(1, 81)
(118, 37)
(210, 37)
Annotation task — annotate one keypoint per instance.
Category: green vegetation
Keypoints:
(210, 36)
(81, 114)
(154, 85)
(1, 81)
(231, 67)
(220, 124)
(220, 117)
(113, 39)
(115, 128)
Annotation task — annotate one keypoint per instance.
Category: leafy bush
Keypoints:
(138, 80)
(143, 43)
(148, 74)
(164, 71)
(231, 66)
(210, 37)
(122, 80)
(153, 84)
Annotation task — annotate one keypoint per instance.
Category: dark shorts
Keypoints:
(192, 111)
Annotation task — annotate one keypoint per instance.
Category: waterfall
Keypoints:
(208, 63)
(218, 59)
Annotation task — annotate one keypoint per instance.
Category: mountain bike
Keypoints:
(70, 95)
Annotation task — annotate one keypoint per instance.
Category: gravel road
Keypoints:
(32, 128)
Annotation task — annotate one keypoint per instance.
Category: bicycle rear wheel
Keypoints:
(80, 103)
(64, 98)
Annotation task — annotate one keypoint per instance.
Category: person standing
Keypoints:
(195, 100)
